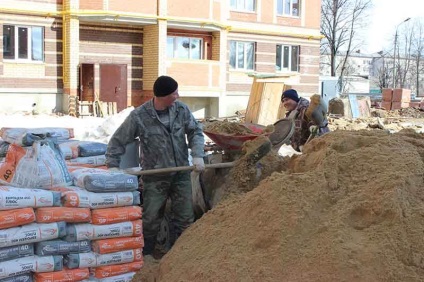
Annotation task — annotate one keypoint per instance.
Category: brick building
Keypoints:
(113, 50)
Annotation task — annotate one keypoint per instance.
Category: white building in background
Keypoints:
(357, 71)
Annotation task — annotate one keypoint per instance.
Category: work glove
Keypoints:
(199, 164)
(313, 129)
(317, 111)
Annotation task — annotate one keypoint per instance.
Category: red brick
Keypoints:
(387, 94)
(401, 95)
(386, 105)
(399, 105)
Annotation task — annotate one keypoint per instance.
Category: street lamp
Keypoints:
(394, 53)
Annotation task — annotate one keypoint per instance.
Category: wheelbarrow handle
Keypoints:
(137, 171)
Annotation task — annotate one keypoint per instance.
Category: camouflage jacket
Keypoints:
(301, 122)
(160, 148)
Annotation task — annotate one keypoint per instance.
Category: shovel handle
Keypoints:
(137, 171)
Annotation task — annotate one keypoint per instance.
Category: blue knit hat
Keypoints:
(291, 94)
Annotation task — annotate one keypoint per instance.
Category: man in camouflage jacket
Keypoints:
(162, 125)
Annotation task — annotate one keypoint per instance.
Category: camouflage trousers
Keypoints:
(156, 191)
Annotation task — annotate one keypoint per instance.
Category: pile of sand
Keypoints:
(349, 209)
(228, 128)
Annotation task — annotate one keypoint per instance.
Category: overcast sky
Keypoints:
(385, 16)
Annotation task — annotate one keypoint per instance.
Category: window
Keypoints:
(243, 5)
(287, 58)
(23, 43)
(242, 55)
(184, 47)
(288, 8)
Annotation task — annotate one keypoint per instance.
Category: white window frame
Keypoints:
(175, 47)
(290, 12)
(29, 44)
(241, 5)
(289, 63)
(245, 57)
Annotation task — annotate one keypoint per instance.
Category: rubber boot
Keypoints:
(149, 246)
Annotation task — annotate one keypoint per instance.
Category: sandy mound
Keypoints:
(350, 209)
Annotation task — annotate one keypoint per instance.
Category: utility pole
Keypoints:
(394, 53)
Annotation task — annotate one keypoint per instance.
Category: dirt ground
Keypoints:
(349, 208)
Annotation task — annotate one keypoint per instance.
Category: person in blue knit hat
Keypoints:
(307, 119)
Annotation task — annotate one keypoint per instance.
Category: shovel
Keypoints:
(252, 157)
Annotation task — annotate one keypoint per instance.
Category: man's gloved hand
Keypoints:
(313, 129)
(199, 164)
(317, 111)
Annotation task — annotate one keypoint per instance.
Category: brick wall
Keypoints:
(35, 76)
(92, 5)
(134, 6)
(115, 45)
(42, 1)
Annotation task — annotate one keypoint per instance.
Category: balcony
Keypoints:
(196, 77)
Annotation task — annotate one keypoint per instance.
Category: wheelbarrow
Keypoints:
(230, 142)
(283, 131)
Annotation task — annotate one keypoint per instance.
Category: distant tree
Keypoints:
(418, 54)
(340, 22)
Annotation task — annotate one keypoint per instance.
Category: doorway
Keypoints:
(113, 84)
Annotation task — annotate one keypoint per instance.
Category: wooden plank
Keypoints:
(254, 104)
(103, 107)
(270, 103)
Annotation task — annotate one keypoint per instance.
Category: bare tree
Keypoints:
(418, 53)
(383, 75)
(340, 22)
(404, 58)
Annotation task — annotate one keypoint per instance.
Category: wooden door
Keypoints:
(86, 88)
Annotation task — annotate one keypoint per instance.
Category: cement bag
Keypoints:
(127, 277)
(31, 233)
(65, 275)
(115, 215)
(84, 199)
(9, 253)
(114, 270)
(3, 148)
(88, 149)
(55, 214)
(41, 166)
(60, 247)
(27, 136)
(99, 180)
(16, 217)
(92, 161)
(93, 260)
(85, 231)
(15, 198)
(30, 264)
(20, 278)
(105, 246)
(69, 149)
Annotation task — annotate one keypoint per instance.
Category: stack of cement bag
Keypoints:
(83, 153)
(81, 224)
